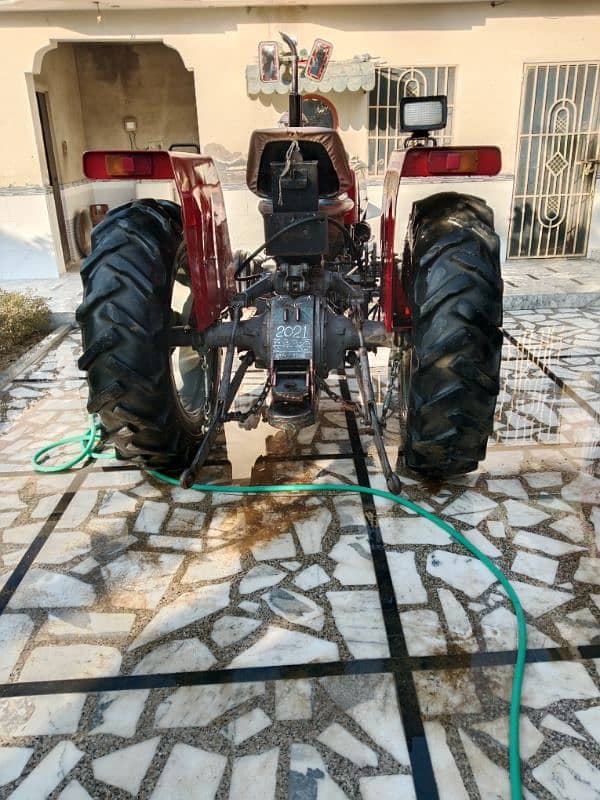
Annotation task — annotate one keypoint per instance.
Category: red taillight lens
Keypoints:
(123, 164)
(428, 162)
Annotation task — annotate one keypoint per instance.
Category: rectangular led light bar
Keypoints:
(423, 113)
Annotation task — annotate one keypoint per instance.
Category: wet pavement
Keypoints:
(161, 643)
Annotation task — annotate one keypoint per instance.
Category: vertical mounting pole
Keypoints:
(295, 108)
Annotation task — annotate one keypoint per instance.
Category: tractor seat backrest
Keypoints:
(316, 144)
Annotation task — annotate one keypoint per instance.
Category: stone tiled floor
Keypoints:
(160, 643)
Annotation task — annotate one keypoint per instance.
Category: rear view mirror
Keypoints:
(268, 62)
(318, 59)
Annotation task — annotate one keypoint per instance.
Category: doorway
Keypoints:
(557, 161)
(49, 151)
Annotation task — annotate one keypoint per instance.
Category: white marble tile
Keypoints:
(423, 632)
(279, 646)
(295, 608)
(52, 769)
(254, 777)
(185, 609)
(579, 627)
(179, 655)
(468, 503)
(584, 489)
(569, 776)
(74, 791)
(549, 682)
(572, 527)
(61, 547)
(465, 573)
(539, 600)
(12, 501)
(530, 738)
(349, 511)
(115, 502)
(43, 715)
(415, 530)
(260, 577)
(12, 762)
(125, 768)
(64, 662)
(310, 530)
(543, 480)
(186, 520)
(281, 546)
(353, 556)
(491, 780)
(552, 723)
(590, 719)
(307, 768)
(459, 627)
(522, 515)
(293, 566)
(151, 517)
(118, 712)
(511, 487)
(588, 570)
(408, 587)
(499, 629)
(186, 543)
(44, 589)
(139, 580)
(535, 566)
(388, 787)
(78, 510)
(378, 716)
(544, 543)
(146, 491)
(311, 577)
(496, 529)
(482, 543)
(447, 775)
(246, 726)
(359, 619)
(293, 699)
(15, 630)
(121, 479)
(338, 739)
(229, 629)
(76, 624)
(220, 562)
(197, 706)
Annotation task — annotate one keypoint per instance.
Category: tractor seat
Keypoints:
(323, 145)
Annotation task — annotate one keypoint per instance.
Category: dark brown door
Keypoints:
(42, 100)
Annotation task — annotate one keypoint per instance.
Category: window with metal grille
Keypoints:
(391, 85)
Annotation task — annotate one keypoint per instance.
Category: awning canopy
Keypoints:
(357, 74)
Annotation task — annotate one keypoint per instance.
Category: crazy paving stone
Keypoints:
(228, 629)
(70, 661)
(448, 778)
(569, 776)
(446, 693)
(353, 556)
(184, 610)
(491, 780)
(359, 619)
(545, 544)
(552, 723)
(539, 600)
(408, 587)
(337, 738)
(535, 566)
(180, 655)
(12, 762)
(139, 580)
(465, 573)
(571, 527)
(151, 517)
(590, 719)
(254, 777)
(579, 627)
(588, 570)
(423, 632)
(75, 624)
(499, 629)
(311, 577)
(242, 728)
(530, 738)
(546, 683)
(412, 531)
(293, 699)
(388, 787)
(74, 791)
(15, 630)
(310, 530)
(512, 487)
(115, 502)
(295, 608)
(62, 547)
(459, 627)
(126, 768)
(40, 588)
(218, 563)
(186, 520)
(43, 715)
(196, 706)
(186, 543)
(520, 515)
(52, 769)
(118, 712)
(260, 577)
(308, 775)
(279, 646)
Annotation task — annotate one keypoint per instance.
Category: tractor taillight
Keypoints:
(123, 164)
(425, 162)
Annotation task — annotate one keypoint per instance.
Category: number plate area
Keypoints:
(292, 328)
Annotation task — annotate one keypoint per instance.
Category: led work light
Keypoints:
(423, 113)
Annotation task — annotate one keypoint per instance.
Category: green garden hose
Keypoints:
(90, 441)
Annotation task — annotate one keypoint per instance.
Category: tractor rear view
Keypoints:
(172, 319)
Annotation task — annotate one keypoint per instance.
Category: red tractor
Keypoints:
(313, 300)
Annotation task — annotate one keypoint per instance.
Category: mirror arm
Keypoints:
(295, 108)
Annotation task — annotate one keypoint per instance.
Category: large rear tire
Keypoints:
(152, 401)
(454, 288)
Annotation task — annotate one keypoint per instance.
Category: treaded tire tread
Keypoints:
(454, 288)
(124, 318)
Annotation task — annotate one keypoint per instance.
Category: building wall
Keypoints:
(488, 46)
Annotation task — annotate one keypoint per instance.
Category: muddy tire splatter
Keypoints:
(454, 288)
(152, 401)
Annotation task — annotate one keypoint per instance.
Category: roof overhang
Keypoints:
(355, 75)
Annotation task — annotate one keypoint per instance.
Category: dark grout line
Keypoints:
(406, 692)
(553, 377)
(19, 572)
(368, 666)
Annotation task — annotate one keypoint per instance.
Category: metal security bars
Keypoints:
(557, 158)
(391, 85)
